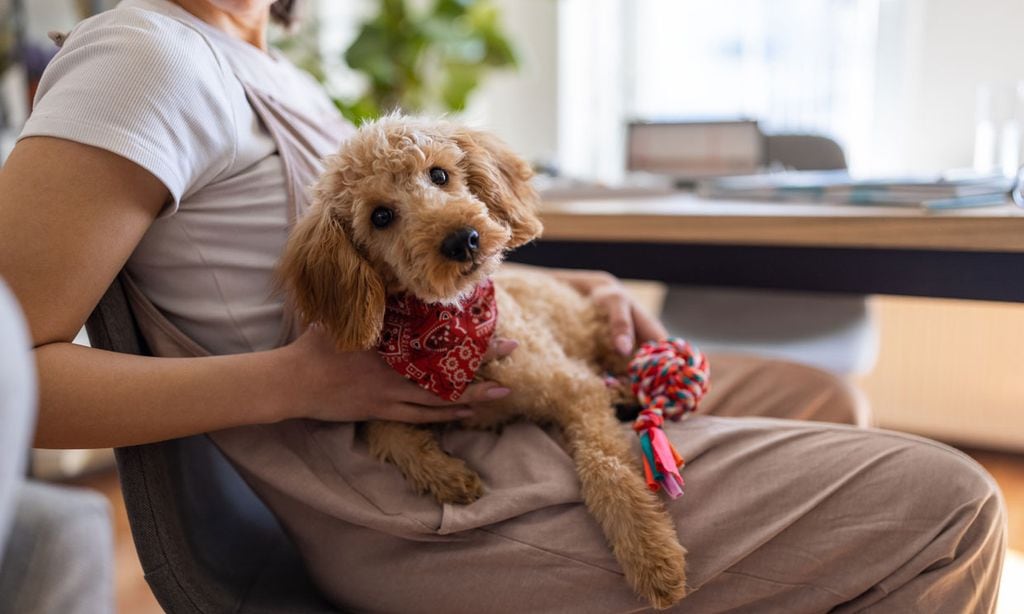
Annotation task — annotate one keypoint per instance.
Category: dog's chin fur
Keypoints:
(450, 283)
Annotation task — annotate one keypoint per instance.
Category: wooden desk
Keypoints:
(965, 253)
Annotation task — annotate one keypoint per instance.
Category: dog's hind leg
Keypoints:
(418, 455)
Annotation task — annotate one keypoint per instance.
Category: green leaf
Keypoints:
(466, 50)
(369, 44)
(452, 8)
(428, 60)
(461, 81)
(483, 15)
(499, 52)
(393, 11)
(358, 111)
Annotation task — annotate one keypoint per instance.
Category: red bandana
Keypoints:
(439, 347)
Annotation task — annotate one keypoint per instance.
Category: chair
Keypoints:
(832, 332)
(804, 152)
(206, 542)
(56, 543)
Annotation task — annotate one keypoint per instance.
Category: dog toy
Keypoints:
(668, 378)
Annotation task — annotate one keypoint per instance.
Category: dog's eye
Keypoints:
(439, 176)
(382, 216)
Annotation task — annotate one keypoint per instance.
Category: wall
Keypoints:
(933, 55)
(522, 106)
(950, 369)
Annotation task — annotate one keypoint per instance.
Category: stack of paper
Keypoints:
(938, 192)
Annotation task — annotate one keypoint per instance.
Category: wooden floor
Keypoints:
(134, 596)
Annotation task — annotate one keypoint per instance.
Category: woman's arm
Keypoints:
(70, 215)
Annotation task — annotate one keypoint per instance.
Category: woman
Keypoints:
(168, 140)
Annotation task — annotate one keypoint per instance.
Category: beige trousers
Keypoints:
(778, 516)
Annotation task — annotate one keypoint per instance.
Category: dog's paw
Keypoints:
(462, 489)
(660, 578)
(450, 480)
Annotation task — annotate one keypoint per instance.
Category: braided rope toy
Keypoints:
(668, 378)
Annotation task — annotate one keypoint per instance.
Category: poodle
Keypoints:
(427, 209)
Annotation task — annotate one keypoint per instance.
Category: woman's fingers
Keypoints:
(354, 386)
(436, 409)
(411, 393)
(619, 309)
(419, 414)
(628, 322)
(439, 410)
(484, 392)
(647, 327)
(474, 393)
(481, 392)
(500, 348)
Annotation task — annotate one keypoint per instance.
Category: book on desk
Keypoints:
(927, 192)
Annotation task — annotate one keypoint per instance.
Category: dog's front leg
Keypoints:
(418, 455)
(639, 529)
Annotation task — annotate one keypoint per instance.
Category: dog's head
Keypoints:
(407, 205)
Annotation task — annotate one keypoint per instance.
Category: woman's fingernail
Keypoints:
(498, 393)
(624, 345)
(464, 413)
(508, 346)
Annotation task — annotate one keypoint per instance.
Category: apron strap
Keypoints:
(302, 144)
(164, 338)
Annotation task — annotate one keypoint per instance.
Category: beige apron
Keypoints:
(763, 503)
(306, 469)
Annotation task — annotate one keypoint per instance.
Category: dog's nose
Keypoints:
(460, 245)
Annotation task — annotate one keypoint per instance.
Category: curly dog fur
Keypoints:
(339, 268)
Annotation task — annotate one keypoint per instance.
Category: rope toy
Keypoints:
(668, 378)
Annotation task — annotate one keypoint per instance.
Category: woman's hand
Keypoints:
(629, 323)
(354, 386)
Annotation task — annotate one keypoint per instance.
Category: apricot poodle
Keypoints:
(428, 208)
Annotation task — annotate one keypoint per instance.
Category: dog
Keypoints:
(428, 208)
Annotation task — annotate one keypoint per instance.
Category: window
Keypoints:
(794, 65)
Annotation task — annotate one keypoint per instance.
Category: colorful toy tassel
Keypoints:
(668, 378)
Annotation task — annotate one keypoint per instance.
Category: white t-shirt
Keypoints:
(154, 84)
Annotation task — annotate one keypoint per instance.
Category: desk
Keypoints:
(966, 253)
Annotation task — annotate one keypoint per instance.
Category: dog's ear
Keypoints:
(331, 283)
(501, 179)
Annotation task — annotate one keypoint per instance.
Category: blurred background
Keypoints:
(902, 86)
(898, 83)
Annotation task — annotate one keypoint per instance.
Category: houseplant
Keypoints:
(416, 60)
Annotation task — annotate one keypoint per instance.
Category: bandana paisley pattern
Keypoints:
(439, 347)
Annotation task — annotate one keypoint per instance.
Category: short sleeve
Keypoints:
(145, 87)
